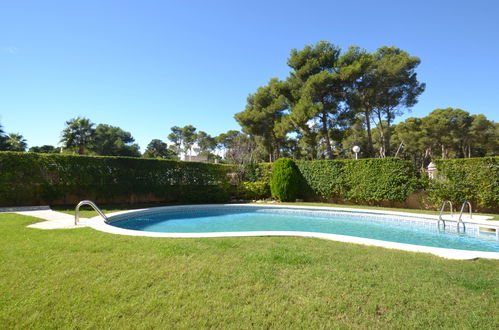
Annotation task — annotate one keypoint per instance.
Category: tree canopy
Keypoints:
(79, 134)
(323, 96)
(159, 149)
(16, 142)
(113, 141)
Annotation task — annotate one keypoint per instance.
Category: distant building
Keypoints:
(202, 158)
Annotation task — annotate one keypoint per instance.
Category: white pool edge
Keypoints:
(99, 224)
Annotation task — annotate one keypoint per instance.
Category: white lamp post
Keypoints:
(356, 149)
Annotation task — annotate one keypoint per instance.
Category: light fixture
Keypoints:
(356, 149)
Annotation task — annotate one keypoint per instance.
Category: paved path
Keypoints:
(53, 219)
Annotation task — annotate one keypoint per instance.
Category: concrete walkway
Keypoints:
(53, 219)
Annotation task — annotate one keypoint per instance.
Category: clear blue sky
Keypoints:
(148, 65)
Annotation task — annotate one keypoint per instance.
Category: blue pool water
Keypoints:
(261, 219)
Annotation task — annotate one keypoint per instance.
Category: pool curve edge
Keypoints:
(99, 224)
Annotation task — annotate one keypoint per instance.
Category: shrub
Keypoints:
(472, 179)
(256, 172)
(284, 180)
(378, 179)
(31, 178)
(322, 179)
(253, 190)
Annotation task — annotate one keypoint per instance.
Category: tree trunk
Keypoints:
(382, 148)
(370, 148)
(329, 151)
(80, 150)
(388, 134)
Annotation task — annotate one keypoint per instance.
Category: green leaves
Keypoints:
(79, 133)
(284, 180)
(32, 178)
(113, 141)
(159, 149)
(475, 180)
(323, 95)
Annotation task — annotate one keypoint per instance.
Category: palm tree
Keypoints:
(79, 133)
(16, 142)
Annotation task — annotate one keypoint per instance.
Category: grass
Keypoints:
(82, 278)
(86, 212)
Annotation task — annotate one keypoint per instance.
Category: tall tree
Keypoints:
(79, 133)
(483, 138)
(159, 149)
(188, 139)
(16, 142)
(355, 135)
(414, 145)
(206, 143)
(241, 149)
(183, 138)
(113, 141)
(176, 138)
(395, 88)
(444, 130)
(227, 141)
(263, 114)
(361, 94)
(317, 91)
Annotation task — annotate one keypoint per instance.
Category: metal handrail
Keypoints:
(90, 203)
(442, 211)
(460, 221)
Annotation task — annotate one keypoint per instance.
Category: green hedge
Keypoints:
(32, 178)
(472, 179)
(322, 179)
(365, 180)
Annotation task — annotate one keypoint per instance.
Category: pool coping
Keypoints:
(99, 224)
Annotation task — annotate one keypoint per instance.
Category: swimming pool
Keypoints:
(396, 230)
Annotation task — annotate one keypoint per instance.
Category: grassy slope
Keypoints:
(85, 278)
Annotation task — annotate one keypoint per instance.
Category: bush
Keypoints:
(322, 179)
(253, 190)
(284, 180)
(32, 178)
(378, 179)
(472, 179)
(256, 172)
(365, 180)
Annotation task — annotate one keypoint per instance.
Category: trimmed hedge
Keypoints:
(284, 180)
(472, 179)
(368, 181)
(322, 179)
(364, 180)
(33, 178)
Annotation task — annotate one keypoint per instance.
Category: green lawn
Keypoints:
(82, 278)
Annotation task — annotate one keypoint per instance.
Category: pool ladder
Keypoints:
(460, 222)
(90, 203)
